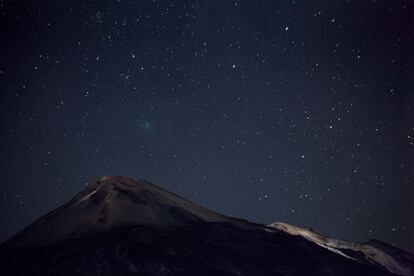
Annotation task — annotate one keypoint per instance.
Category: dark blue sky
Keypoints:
(265, 110)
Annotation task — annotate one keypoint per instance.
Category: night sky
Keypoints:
(296, 111)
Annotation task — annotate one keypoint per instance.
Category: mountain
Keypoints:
(376, 252)
(118, 225)
(112, 202)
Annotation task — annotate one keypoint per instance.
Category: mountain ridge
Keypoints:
(119, 214)
(102, 204)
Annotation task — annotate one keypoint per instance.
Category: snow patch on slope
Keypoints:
(371, 253)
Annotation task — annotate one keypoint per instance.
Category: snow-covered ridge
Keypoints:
(112, 202)
(371, 254)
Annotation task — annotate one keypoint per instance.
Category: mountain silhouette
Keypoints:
(121, 226)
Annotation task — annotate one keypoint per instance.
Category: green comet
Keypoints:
(146, 125)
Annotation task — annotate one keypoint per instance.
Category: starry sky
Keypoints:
(294, 111)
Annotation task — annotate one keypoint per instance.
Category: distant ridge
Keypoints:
(118, 225)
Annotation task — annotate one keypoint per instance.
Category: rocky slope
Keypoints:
(118, 225)
(375, 252)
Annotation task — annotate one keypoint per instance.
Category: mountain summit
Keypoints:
(112, 202)
(118, 225)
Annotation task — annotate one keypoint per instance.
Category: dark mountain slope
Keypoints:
(121, 226)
